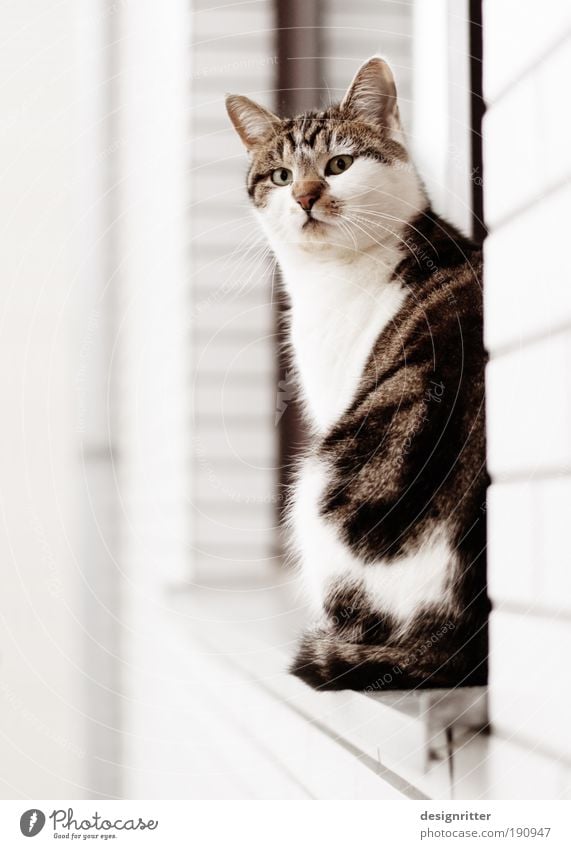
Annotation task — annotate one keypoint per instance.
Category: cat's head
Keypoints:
(339, 178)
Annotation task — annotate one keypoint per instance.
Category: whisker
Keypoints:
(389, 217)
(356, 219)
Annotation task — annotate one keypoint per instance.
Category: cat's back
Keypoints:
(415, 435)
(438, 331)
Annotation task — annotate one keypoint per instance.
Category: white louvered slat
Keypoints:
(233, 393)
(353, 33)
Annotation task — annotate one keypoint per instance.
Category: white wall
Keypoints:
(42, 739)
(94, 370)
(149, 373)
(527, 146)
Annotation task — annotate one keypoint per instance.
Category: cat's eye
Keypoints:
(339, 164)
(282, 177)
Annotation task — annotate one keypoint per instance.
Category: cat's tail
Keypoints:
(327, 662)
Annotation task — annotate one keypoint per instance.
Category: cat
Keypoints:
(388, 513)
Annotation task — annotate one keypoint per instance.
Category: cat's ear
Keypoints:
(253, 123)
(372, 96)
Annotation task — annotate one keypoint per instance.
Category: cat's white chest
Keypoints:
(338, 312)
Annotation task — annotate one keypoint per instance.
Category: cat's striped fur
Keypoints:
(389, 514)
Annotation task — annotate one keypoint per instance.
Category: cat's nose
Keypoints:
(307, 195)
(306, 201)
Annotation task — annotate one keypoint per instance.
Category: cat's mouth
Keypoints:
(312, 223)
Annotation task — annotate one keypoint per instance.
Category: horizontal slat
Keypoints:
(234, 483)
(209, 533)
(527, 543)
(206, 184)
(208, 146)
(225, 241)
(254, 553)
(230, 567)
(206, 256)
(380, 18)
(237, 442)
(219, 287)
(214, 80)
(253, 42)
(226, 236)
(231, 17)
(233, 220)
(209, 62)
(358, 44)
(530, 36)
(200, 6)
(511, 543)
(553, 571)
(527, 138)
(216, 122)
(234, 271)
(237, 515)
(530, 680)
(209, 109)
(225, 315)
(228, 393)
(374, 8)
(339, 77)
(223, 166)
(215, 91)
(227, 357)
(526, 264)
(238, 212)
(202, 212)
(529, 409)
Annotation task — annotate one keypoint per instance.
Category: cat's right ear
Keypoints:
(253, 123)
(372, 96)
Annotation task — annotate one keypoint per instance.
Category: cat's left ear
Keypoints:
(253, 123)
(372, 96)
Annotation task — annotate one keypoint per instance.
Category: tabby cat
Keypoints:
(388, 514)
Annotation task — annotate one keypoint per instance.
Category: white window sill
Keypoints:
(400, 744)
